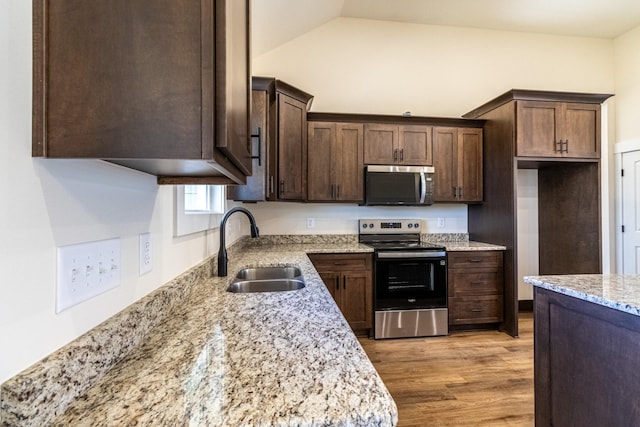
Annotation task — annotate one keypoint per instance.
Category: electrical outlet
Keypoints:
(311, 222)
(86, 270)
(440, 222)
(145, 253)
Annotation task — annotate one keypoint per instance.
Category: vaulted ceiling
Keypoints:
(277, 21)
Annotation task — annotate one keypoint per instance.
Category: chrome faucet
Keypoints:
(222, 252)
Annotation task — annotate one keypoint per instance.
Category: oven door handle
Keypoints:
(423, 188)
(411, 254)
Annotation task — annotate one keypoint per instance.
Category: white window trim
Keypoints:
(194, 222)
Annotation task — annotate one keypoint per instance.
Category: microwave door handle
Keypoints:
(423, 188)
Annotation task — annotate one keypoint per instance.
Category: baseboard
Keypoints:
(525, 305)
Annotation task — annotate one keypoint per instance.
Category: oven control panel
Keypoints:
(389, 226)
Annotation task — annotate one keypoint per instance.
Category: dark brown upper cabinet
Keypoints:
(386, 144)
(558, 129)
(261, 185)
(161, 87)
(293, 105)
(279, 134)
(335, 162)
(458, 164)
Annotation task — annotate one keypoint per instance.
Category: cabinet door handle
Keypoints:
(455, 192)
(395, 155)
(333, 191)
(401, 155)
(259, 156)
(337, 191)
(344, 282)
(461, 192)
(282, 186)
(566, 145)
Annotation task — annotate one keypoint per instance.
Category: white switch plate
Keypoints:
(86, 270)
(440, 222)
(145, 253)
(311, 222)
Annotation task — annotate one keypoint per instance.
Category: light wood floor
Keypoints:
(464, 379)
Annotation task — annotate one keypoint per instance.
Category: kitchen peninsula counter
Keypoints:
(586, 347)
(192, 353)
(267, 359)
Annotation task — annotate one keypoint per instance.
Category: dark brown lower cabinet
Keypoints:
(475, 286)
(587, 363)
(348, 278)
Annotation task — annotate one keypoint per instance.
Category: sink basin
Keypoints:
(267, 279)
(272, 285)
(268, 273)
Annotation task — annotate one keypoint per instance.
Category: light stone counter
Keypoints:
(262, 359)
(618, 291)
(472, 246)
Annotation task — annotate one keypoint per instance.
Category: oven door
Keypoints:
(410, 280)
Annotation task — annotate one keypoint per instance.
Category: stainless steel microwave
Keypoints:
(398, 185)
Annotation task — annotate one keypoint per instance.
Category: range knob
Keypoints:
(364, 225)
(416, 225)
(410, 225)
(371, 225)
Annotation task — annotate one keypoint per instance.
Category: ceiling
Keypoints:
(277, 21)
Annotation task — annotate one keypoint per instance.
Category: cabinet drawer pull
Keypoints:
(476, 310)
(478, 282)
(475, 260)
(339, 263)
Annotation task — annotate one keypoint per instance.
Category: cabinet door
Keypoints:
(332, 282)
(321, 142)
(416, 147)
(349, 162)
(469, 164)
(537, 129)
(581, 130)
(292, 148)
(380, 144)
(445, 164)
(233, 74)
(258, 185)
(356, 299)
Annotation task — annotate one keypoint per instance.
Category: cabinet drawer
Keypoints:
(341, 262)
(481, 281)
(474, 259)
(478, 309)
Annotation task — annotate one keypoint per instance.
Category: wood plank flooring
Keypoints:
(465, 379)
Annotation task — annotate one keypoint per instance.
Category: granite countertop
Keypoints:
(472, 246)
(281, 359)
(618, 291)
(192, 353)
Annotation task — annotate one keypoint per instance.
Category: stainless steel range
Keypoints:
(410, 279)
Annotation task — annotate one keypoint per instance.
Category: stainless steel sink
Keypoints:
(267, 279)
(272, 285)
(268, 273)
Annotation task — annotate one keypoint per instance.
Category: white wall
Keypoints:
(365, 66)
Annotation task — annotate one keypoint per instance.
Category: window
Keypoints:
(198, 207)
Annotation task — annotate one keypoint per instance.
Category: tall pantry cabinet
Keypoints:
(557, 133)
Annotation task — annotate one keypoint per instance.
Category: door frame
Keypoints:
(619, 150)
